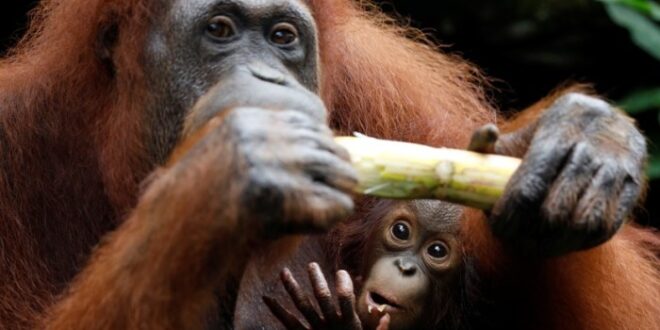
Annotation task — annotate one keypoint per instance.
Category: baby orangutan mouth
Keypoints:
(380, 303)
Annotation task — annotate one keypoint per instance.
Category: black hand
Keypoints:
(581, 177)
(297, 177)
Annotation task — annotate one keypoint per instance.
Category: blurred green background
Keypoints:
(530, 47)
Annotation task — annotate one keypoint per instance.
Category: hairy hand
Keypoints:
(291, 175)
(581, 176)
(331, 317)
(297, 177)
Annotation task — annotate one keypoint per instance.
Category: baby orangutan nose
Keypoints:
(407, 267)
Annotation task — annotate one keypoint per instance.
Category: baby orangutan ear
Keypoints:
(106, 42)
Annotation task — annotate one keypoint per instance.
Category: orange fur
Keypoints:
(72, 161)
(388, 81)
(380, 81)
(63, 181)
(614, 286)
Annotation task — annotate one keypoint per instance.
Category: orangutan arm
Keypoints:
(238, 178)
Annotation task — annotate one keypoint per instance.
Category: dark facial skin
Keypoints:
(256, 53)
(258, 59)
(412, 261)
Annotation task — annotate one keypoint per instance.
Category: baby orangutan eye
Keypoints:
(401, 231)
(438, 250)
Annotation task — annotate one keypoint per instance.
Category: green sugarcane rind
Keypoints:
(400, 170)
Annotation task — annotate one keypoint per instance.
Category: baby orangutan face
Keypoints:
(406, 258)
(413, 257)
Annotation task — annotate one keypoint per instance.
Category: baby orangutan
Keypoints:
(409, 271)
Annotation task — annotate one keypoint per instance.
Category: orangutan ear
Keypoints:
(106, 42)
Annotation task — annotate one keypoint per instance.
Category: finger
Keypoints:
(384, 322)
(305, 206)
(528, 187)
(596, 211)
(484, 138)
(289, 320)
(516, 143)
(320, 166)
(321, 138)
(327, 168)
(298, 119)
(346, 297)
(317, 208)
(322, 293)
(301, 300)
(630, 194)
(569, 187)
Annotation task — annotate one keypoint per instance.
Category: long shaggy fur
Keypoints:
(71, 156)
(70, 151)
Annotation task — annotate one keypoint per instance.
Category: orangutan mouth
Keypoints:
(378, 302)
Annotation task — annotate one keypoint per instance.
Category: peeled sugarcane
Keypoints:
(401, 170)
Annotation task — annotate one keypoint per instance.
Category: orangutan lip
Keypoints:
(376, 301)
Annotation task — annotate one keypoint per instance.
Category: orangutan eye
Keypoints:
(401, 231)
(438, 250)
(284, 34)
(221, 28)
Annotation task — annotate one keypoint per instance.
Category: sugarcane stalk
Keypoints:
(401, 170)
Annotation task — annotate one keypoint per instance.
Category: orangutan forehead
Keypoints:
(252, 8)
(437, 216)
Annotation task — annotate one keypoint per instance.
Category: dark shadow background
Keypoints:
(528, 47)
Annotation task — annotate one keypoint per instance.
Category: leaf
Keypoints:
(641, 101)
(654, 167)
(655, 11)
(643, 31)
(646, 7)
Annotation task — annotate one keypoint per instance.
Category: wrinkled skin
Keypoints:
(184, 60)
(264, 95)
(581, 176)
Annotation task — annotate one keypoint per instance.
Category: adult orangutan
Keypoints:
(180, 136)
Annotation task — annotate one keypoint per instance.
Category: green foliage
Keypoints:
(654, 167)
(641, 101)
(641, 18)
(638, 17)
(647, 7)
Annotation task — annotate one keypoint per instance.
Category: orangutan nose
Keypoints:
(264, 72)
(406, 267)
